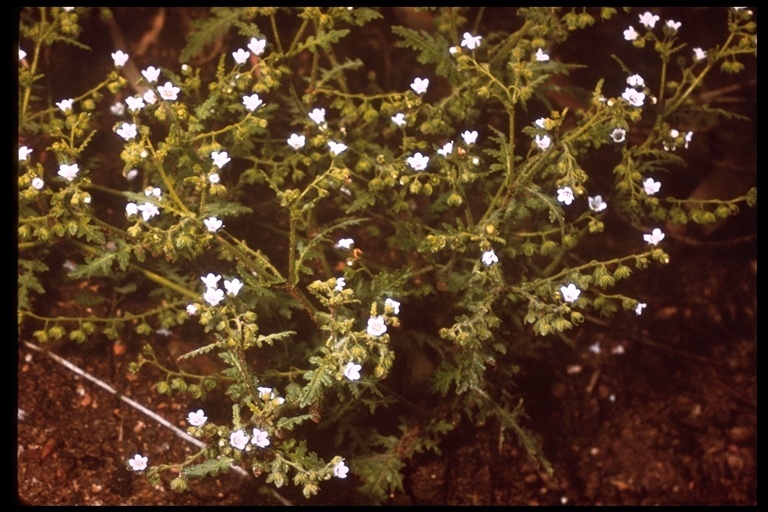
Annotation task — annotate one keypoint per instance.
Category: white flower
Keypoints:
(570, 293)
(318, 116)
(489, 258)
(447, 149)
(213, 224)
(68, 171)
(636, 81)
(197, 419)
(151, 74)
(470, 41)
(168, 91)
(340, 284)
(211, 280)
(24, 152)
(120, 58)
(134, 104)
(148, 210)
(213, 296)
(376, 326)
(131, 209)
(233, 287)
(399, 119)
(630, 34)
(238, 439)
(541, 56)
(257, 45)
(138, 463)
(699, 54)
(117, 109)
(393, 305)
(340, 470)
(131, 175)
(352, 371)
(543, 141)
(541, 123)
(149, 191)
(220, 158)
(655, 237)
(150, 97)
(651, 187)
(418, 162)
(639, 308)
(688, 137)
(674, 26)
(633, 97)
(240, 56)
(296, 141)
(214, 178)
(65, 105)
(265, 393)
(345, 243)
(260, 438)
(470, 137)
(596, 204)
(595, 347)
(191, 309)
(648, 19)
(336, 147)
(127, 131)
(565, 195)
(420, 85)
(252, 102)
(22, 54)
(619, 135)
(37, 183)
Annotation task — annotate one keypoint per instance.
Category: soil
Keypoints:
(655, 409)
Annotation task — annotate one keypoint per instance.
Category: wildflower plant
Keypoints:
(299, 214)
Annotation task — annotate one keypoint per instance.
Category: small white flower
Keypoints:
(393, 305)
(241, 56)
(619, 135)
(336, 147)
(252, 102)
(651, 187)
(565, 195)
(127, 131)
(260, 438)
(453, 50)
(376, 326)
(636, 81)
(345, 243)
(446, 150)
(148, 210)
(674, 26)
(399, 119)
(296, 141)
(541, 56)
(197, 419)
(541, 123)
(117, 108)
(214, 178)
(213, 224)
(655, 237)
(211, 280)
(570, 293)
(150, 97)
(595, 348)
(168, 91)
(699, 54)
(134, 104)
(352, 371)
(340, 284)
(138, 463)
(213, 296)
(633, 97)
(233, 287)
(318, 116)
(257, 45)
(238, 439)
(630, 34)
(471, 42)
(470, 137)
(37, 183)
(24, 152)
(639, 308)
(131, 209)
(489, 258)
(420, 85)
(688, 137)
(543, 141)
(65, 105)
(418, 162)
(120, 58)
(648, 19)
(220, 158)
(265, 393)
(131, 175)
(150, 191)
(151, 74)
(22, 54)
(596, 204)
(340, 470)
(68, 171)
(192, 309)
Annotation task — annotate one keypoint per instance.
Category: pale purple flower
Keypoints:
(138, 463)
(345, 243)
(318, 116)
(376, 326)
(68, 171)
(213, 296)
(24, 152)
(168, 91)
(211, 280)
(543, 141)
(220, 158)
(420, 85)
(596, 204)
(639, 308)
(233, 287)
(37, 183)
(352, 371)
(655, 237)
(22, 54)
(336, 147)
(150, 97)
(131, 209)
(213, 224)
(636, 81)
(393, 305)
(674, 26)
(127, 131)
(648, 19)
(214, 178)
(541, 56)
(240, 56)
(399, 119)
(260, 438)
(633, 97)
(595, 347)
(541, 123)
(340, 284)
(651, 187)
(565, 195)
(418, 162)
(148, 210)
(619, 135)
(252, 102)
(470, 41)
(197, 419)
(470, 137)
(153, 191)
(489, 258)
(192, 309)
(630, 34)
(151, 74)
(699, 54)
(257, 45)
(65, 105)
(570, 293)
(238, 439)
(296, 141)
(117, 108)
(446, 150)
(134, 104)
(120, 58)
(340, 470)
